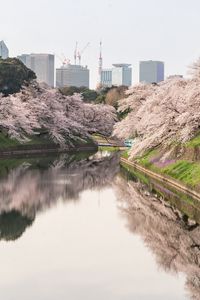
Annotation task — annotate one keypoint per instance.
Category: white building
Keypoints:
(72, 75)
(120, 74)
(4, 52)
(151, 71)
(42, 65)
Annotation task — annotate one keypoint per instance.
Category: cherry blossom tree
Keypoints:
(160, 113)
(65, 119)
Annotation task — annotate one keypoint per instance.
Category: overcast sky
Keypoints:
(131, 30)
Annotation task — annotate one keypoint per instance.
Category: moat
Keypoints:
(82, 227)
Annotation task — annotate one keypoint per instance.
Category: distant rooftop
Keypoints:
(154, 61)
(2, 43)
(69, 66)
(121, 65)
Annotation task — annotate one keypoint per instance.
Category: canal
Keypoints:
(84, 227)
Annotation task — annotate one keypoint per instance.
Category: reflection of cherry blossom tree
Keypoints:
(160, 113)
(174, 241)
(28, 190)
(64, 118)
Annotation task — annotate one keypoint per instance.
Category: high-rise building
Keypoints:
(25, 58)
(106, 77)
(151, 71)
(72, 75)
(4, 52)
(120, 74)
(42, 65)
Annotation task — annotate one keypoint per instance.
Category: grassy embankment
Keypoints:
(184, 168)
(187, 205)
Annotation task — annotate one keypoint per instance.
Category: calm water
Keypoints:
(79, 229)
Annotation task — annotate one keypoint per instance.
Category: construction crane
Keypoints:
(63, 59)
(75, 53)
(79, 54)
(66, 61)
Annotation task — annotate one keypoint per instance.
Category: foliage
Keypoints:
(13, 74)
(160, 114)
(111, 95)
(87, 94)
(194, 142)
(106, 95)
(114, 95)
(100, 99)
(41, 111)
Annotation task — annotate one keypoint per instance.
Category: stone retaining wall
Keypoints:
(174, 183)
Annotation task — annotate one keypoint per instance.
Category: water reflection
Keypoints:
(12, 225)
(31, 186)
(166, 231)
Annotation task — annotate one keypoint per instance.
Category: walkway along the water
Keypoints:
(172, 182)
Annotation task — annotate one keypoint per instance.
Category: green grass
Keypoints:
(6, 142)
(185, 171)
(125, 154)
(145, 159)
(194, 142)
(109, 149)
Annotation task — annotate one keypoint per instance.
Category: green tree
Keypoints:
(13, 74)
(87, 94)
(69, 90)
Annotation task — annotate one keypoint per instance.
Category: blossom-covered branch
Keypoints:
(160, 113)
(38, 109)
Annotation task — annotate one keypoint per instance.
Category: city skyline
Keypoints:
(145, 30)
(42, 64)
(152, 71)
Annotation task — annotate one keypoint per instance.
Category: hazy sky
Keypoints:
(131, 30)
